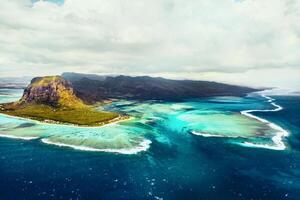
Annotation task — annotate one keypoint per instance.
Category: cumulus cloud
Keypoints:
(149, 37)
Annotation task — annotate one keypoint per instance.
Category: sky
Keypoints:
(245, 42)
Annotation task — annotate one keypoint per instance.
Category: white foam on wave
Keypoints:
(265, 146)
(18, 137)
(280, 132)
(143, 146)
(210, 135)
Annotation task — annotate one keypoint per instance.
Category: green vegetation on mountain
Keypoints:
(92, 88)
(52, 99)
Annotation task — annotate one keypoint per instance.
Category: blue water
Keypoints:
(178, 164)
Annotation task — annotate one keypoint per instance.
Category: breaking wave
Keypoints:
(280, 132)
(143, 146)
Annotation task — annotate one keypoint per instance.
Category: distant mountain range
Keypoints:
(92, 88)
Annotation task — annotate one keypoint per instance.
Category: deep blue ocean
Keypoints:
(186, 167)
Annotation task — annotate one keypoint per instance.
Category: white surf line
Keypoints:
(211, 135)
(280, 134)
(18, 137)
(143, 146)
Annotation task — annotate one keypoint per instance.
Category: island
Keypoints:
(52, 99)
(72, 98)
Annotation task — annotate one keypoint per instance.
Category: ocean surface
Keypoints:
(210, 148)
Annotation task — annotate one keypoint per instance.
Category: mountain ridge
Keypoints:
(148, 88)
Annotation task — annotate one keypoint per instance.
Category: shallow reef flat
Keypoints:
(152, 120)
(223, 125)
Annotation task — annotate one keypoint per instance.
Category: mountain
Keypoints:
(52, 99)
(51, 90)
(148, 88)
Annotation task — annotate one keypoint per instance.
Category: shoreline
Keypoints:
(115, 120)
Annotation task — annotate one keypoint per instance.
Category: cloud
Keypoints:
(141, 36)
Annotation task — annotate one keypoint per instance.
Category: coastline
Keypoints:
(144, 145)
(277, 136)
(115, 120)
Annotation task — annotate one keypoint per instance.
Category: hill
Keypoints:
(51, 90)
(148, 88)
(52, 99)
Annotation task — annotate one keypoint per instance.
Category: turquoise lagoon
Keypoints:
(218, 117)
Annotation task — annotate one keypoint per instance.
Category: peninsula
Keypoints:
(69, 98)
(52, 99)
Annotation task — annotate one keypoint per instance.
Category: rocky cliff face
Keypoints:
(51, 90)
